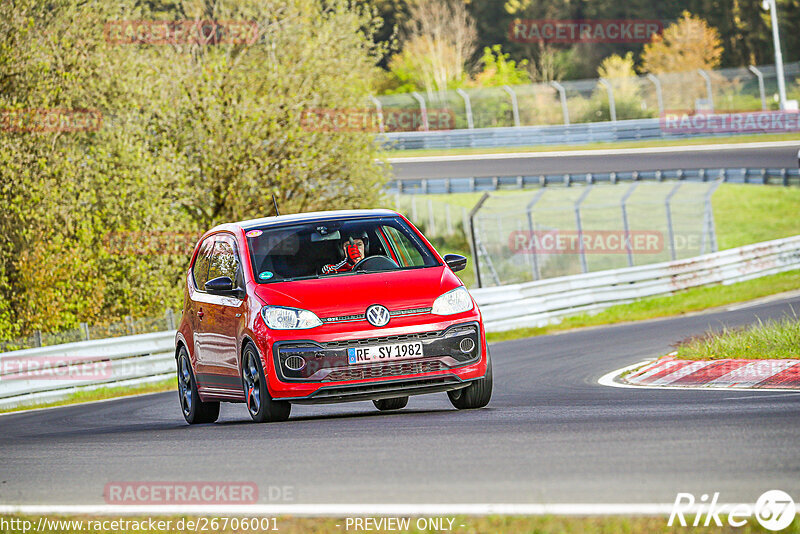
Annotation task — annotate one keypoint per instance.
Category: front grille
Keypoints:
(384, 370)
(375, 340)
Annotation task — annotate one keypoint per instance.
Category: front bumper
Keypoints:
(328, 361)
(328, 377)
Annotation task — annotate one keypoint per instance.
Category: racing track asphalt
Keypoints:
(551, 434)
(760, 156)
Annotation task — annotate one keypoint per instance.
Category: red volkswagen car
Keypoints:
(322, 308)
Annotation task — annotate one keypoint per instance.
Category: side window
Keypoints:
(200, 269)
(224, 261)
(407, 254)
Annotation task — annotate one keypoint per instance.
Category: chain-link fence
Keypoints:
(86, 332)
(584, 101)
(559, 231)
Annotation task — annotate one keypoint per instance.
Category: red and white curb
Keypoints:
(671, 372)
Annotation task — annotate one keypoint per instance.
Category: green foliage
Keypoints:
(765, 341)
(192, 135)
(499, 69)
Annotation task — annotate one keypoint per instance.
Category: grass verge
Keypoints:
(770, 340)
(461, 524)
(679, 303)
(765, 138)
(170, 384)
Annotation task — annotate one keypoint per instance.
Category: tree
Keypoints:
(687, 45)
(438, 41)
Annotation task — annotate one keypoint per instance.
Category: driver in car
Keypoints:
(353, 248)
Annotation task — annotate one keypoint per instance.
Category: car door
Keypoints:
(197, 304)
(222, 320)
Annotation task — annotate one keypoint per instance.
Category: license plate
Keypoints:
(399, 351)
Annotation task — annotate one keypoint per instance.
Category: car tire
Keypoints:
(386, 405)
(477, 394)
(194, 410)
(259, 402)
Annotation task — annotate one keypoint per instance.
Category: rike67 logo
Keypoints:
(774, 510)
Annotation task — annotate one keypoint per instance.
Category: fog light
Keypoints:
(294, 363)
(466, 345)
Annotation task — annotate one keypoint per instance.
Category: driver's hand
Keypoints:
(353, 253)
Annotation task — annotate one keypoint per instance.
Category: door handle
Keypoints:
(200, 314)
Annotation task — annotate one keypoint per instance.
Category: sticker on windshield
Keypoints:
(253, 233)
(266, 275)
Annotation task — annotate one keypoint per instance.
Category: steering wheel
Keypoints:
(376, 263)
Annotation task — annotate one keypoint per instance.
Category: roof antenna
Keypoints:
(275, 203)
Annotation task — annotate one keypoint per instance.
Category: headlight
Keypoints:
(280, 318)
(452, 302)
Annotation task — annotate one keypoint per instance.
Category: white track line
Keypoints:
(345, 510)
(610, 380)
(598, 152)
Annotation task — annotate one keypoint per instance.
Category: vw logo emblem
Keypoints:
(378, 315)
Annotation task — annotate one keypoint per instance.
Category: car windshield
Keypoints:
(335, 248)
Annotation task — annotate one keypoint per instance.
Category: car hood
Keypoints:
(351, 294)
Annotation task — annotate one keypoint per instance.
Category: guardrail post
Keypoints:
(709, 91)
(537, 275)
(563, 95)
(37, 338)
(612, 106)
(514, 106)
(473, 242)
(414, 210)
(379, 108)
(170, 319)
(581, 248)
(670, 229)
(659, 94)
(761, 91)
(625, 224)
(467, 107)
(423, 109)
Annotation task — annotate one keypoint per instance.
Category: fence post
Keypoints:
(537, 274)
(379, 108)
(612, 106)
(473, 242)
(581, 248)
(670, 229)
(659, 94)
(37, 338)
(431, 218)
(467, 107)
(761, 91)
(709, 91)
(85, 331)
(563, 95)
(414, 218)
(449, 219)
(423, 109)
(514, 106)
(625, 224)
(170, 319)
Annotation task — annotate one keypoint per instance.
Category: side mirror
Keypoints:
(223, 283)
(456, 262)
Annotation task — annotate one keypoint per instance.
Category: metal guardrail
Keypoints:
(572, 134)
(53, 373)
(545, 301)
(471, 184)
(63, 369)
